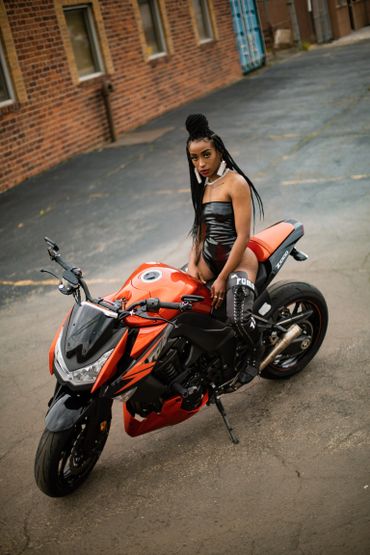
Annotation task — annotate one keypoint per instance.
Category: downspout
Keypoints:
(106, 91)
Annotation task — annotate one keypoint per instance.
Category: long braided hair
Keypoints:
(198, 129)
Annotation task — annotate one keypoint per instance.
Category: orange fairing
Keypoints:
(54, 342)
(110, 366)
(146, 361)
(144, 338)
(265, 243)
(171, 414)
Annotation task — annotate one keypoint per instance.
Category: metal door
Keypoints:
(322, 21)
(248, 33)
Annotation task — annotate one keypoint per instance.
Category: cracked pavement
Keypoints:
(299, 481)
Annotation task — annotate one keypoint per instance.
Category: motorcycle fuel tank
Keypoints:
(155, 279)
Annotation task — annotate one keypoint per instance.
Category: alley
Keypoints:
(298, 482)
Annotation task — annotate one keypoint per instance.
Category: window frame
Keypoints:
(210, 24)
(59, 6)
(93, 39)
(159, 27)
(7, 78)
(165, 27)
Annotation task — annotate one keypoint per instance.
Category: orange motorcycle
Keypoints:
(157, 346)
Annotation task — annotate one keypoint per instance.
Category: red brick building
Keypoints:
(311, 21)
(57, 55)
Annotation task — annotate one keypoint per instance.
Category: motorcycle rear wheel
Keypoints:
(65, 459)
(289, 299)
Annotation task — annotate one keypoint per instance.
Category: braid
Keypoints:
(230, 163)
(198, 129)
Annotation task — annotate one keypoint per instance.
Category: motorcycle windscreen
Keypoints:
(89, 330)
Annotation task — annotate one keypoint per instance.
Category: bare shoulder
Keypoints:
(237, 185)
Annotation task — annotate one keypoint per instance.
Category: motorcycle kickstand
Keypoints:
(222, 411)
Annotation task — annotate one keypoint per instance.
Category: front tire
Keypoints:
(289, 299)
(65, 459)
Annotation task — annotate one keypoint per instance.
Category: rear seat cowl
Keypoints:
(265, 243)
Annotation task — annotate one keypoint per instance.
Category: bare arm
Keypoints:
(193, 260)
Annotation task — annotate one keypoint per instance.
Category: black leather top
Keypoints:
(220, 233)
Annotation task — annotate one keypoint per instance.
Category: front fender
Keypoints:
(65, 412)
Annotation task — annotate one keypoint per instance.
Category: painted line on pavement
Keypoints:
(35, 282)
(321, 180)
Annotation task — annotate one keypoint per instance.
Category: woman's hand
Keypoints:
(218, 291)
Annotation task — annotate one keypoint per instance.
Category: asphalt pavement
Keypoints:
(299, 481)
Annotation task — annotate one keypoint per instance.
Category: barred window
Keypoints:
(153, 28)
(84, 41)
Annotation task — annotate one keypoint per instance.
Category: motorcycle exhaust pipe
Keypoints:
(293, 332)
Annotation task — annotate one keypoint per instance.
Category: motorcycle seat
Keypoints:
(265, 243)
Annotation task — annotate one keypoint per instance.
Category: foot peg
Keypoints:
(245, 376)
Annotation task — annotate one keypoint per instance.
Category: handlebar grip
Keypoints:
(174, 306)
(154, 305)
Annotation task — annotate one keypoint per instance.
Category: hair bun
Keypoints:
(197, 126)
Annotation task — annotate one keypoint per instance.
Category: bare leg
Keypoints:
(203, 269)
(249, 264)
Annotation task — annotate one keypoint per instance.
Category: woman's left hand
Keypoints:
(218, 291)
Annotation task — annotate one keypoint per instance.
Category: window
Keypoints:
(84, 41)
(152, 27)
(203, 20)
(6, 87)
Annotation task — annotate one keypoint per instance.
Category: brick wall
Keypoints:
(56, 116)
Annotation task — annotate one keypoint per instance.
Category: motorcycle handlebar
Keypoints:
(154, 305)
(75, 279)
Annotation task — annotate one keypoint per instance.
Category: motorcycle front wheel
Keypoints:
(289, 299)
(65, 459)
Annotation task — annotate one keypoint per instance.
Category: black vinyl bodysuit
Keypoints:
(219, 234)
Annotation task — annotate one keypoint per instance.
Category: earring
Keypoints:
(197, 175)
(221, 169)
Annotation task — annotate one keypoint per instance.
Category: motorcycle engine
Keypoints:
(185, 370)
(179, 367)
(173, 360)
(182, 366)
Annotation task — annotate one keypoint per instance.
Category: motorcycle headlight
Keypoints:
(81, 376)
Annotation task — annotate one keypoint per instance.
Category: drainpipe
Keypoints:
(294, 21)
(106, 91)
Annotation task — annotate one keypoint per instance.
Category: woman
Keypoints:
(223, 200)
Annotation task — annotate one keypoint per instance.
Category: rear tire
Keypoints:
(65, 459)
(288, 299)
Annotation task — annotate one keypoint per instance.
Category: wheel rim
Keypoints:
(75, 460)
(301, 346)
